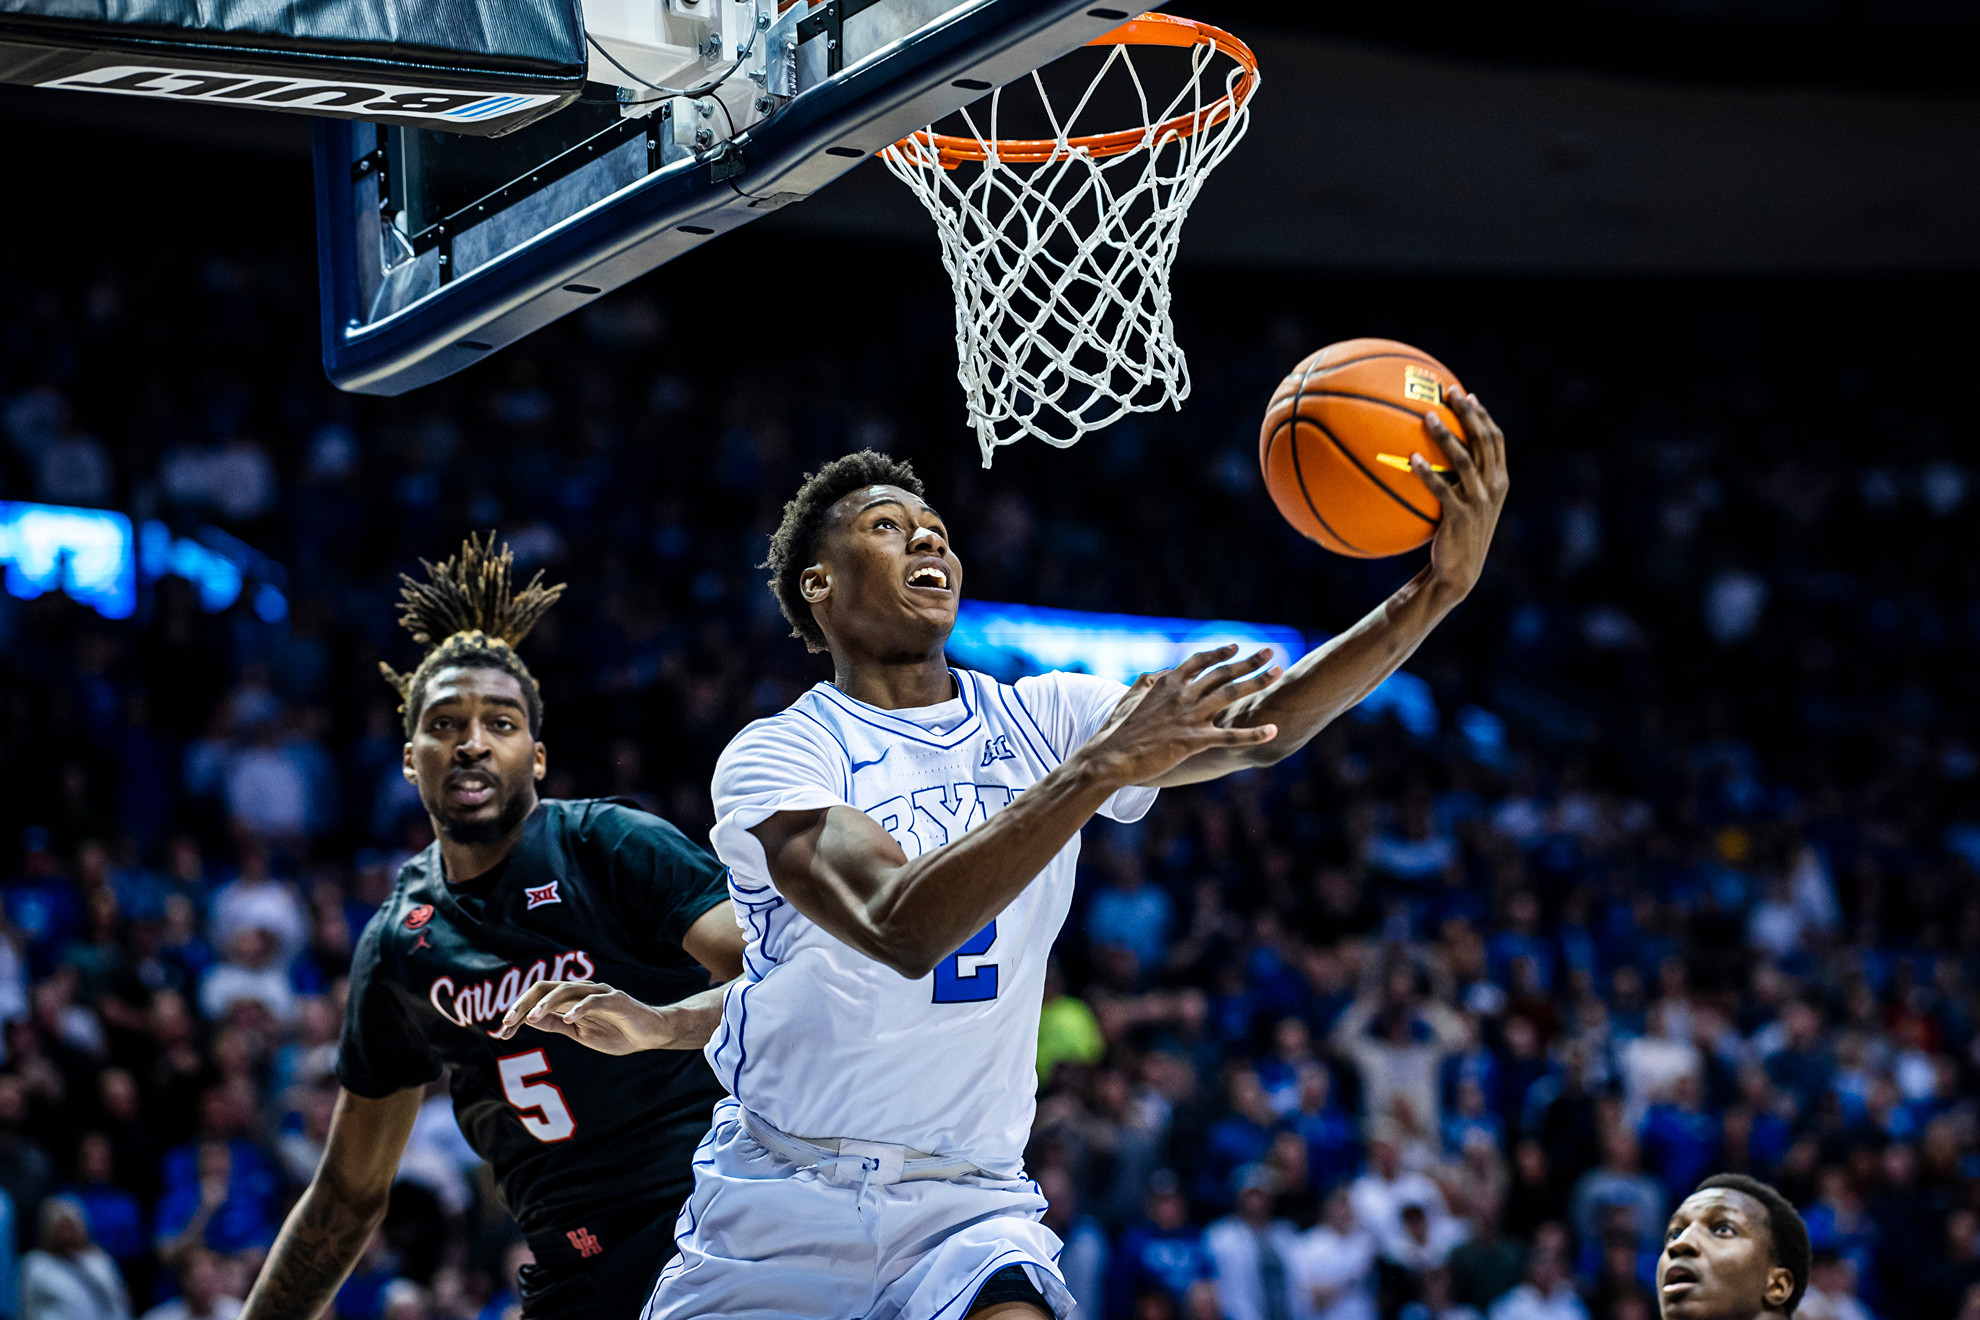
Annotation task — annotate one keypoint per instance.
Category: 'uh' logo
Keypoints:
(998, 749)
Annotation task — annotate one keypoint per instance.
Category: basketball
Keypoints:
(1337, 439)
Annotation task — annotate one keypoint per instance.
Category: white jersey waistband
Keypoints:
(846, 1160)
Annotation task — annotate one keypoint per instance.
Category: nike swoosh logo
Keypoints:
(858, 766)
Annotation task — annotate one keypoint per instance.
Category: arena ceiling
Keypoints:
(1532, 136)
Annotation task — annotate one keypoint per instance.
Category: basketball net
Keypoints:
(1060, 248)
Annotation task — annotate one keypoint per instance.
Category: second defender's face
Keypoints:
(472, 754)
(1718, 1260)
(887, 578)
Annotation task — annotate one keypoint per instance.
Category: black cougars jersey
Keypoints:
(592, 891)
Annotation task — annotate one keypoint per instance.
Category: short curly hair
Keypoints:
(1785, 1228)
(794, 545)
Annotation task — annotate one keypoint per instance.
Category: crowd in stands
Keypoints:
(1422, 1024)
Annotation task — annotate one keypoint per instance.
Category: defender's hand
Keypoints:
(589, 1012)
(1167, 718)
(1473, 492)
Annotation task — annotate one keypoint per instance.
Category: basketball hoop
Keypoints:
(1060, 247)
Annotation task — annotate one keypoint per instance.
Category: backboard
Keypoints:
(436, 249)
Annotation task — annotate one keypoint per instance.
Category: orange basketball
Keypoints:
(1336, 444)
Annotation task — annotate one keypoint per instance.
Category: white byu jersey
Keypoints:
(823, 1041)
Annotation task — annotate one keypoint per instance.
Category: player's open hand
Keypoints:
(1473, 492)
(1167, 718)
(590, 1013)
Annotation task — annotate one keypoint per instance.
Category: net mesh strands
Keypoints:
(1060, 247)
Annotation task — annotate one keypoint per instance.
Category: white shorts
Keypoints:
(761, 1238)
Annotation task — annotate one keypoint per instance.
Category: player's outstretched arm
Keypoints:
(344, 1204)
(840, 869)
(1331, 679)
(613, 1022)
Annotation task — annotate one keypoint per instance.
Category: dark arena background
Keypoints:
(1666, 867)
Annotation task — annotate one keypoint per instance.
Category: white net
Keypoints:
(1060, 247)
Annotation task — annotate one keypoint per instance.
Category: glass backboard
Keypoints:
(436, 249)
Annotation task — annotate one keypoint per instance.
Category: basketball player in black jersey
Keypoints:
(591, 1152)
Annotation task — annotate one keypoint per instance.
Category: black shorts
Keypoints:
(1010, 1284)
(612, 1282)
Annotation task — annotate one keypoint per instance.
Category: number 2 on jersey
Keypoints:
(954, 986)
(540, 1105)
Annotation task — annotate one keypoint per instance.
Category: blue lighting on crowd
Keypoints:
(83, 553)
(219, 565)
(91, 556)
(1009, 641)
(217, 579)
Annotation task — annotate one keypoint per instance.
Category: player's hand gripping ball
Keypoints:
(1337, 442)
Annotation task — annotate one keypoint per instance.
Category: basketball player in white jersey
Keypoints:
(901, 844)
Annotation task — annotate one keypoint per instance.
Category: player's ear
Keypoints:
(815, 584)
(542, 762)
(1780, 1287)
(406, 765)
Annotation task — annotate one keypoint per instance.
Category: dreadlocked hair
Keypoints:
(794, 545)
(469, 615)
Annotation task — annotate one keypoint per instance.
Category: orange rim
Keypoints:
(1147, 30)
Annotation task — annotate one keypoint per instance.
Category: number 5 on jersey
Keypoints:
(955, 986)
(540, 1105)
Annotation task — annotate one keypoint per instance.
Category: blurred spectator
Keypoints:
(1130, 913)
(1332, 1136)
(267, 793)
(203, 1295)
(256, 898)
(504, 1304)
(67, 1276)
(404, 1300)
(1617, 1194)
(1253, 1253)
(1422, 1247)
(76, 470)
(114, 1214)
(1164, 1252)
(1951, 1280)
(1832, 1291)
(1281, 1071)
(1383, 1193)
(1085, 1257)
(1487, 1264)
(224, 1207)
(251, 974)
(1241, 1137)
(1437, 1302)
(1681, 1139)
(1417, 849)
(1336, 1264)
(243, 480)
(1470, 1121)
(1837, 1221)
(1398, 1046)
(437, 1157)
(1067, 1029)
(1547, 1293)
(26, 1173)
(1620, 1289)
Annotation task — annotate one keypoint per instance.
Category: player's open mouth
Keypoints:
(1679, 1278)
(472, 790)
(929, 578)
